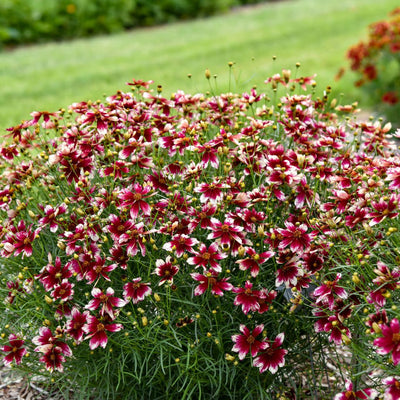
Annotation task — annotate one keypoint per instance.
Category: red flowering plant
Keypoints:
(376, 61)
(202, 247)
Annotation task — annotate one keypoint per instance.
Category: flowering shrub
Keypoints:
(202, 247)
(376, 63)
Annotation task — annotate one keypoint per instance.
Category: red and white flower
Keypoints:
(14, 349)
(166, 270)
(136, 290)
(271, 357)
(295, 237)
(392, 391)
(211, 192)
(248, 298)
(350, 394)
(74, 326)
(181, 244)
(326, 293)
(209, 280)
(106, 300)
(254, 261)
(96, 331)
(208, 257)
(247, 343)
(390, 341)
(133, 199)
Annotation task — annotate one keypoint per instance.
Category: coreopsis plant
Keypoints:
(219, 246)
(376, 62)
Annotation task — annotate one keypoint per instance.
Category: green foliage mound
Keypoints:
(23, 22)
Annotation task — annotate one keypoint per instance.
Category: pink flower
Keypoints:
(207, 257)
(209, 280)
(271, 356)
(166, 270)
(96, 331)
(159, 181)
(202, 217)
(387, 280)
(209, 153)
(63, 291)
(384, 209)
(393, 175)
(248, 298)
(288, 273)
(358, 216)
(106, 300)
(45, 341)
(332, 324)
(211, 192)
(99, 269)
(390, 342)
(305, 194)
(295, 237)
(136, 291)
(72, 162)
(14, 350)
(100, 116)
(265, 300)
(19, 241)
(118, 226)
(133, 199)
(180, 244)
(53, 359)
(52, 275)
(325, 293)
(247, 342)
(74, 326)
(253, 262)
(392, 391)
(227, 233)
(117, 169)
(133, 239)
(350, 394)
(51, 215)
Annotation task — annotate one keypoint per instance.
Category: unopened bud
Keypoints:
(376, 328)
(346, 340)
(286, 74)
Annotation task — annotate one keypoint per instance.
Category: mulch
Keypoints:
(13, 386)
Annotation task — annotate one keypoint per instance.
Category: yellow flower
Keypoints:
(71, 8)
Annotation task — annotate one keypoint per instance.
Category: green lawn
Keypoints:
(315, 33)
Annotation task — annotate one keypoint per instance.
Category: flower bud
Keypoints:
(346, 340)
(286, 74)
(376, 328)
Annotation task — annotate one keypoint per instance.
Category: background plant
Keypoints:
(42, 21)
(201, 245)
(376, 63)
(54, 75)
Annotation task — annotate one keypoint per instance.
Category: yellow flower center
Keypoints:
(250, 339)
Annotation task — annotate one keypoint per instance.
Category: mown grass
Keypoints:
(313, 32)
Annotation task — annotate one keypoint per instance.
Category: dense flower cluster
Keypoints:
(376, 62)
(199, 218)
